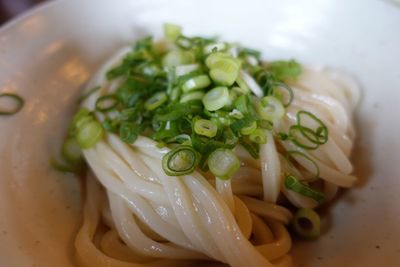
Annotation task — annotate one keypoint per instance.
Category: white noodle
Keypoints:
(156, 220)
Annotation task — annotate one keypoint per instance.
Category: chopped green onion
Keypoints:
(106, 103)
(172, 31)
(129, 132)
(186, 69)
(280, 96)
(180, 161)
(295, 185)
(197, 95)
(284, 70)
(297, 135)
(175, 93)
(258, 136)
(236, 114)
(177, 58)
(156, 100)
(215, 57)
(247, 130)
(306, 137)
(110, 125)
(79, 119)
(321, 131)
(270, 108)
(216, 98)
(71, 151)
(223, 163)
(294, 154)
(225, 71)
(265, 124)
(179, 139)
(243, 88)
(89, 134)
(178, 110)
(248, 123)
(18, 103)
(205, 127)
(199, 82)
(214, 47)
(307, 223)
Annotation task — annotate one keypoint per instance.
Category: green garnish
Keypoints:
(180, 161)
(223, 163)
(284, 70)
(292, 183)
(201, 96)
(307, 223)
(18, 103)
(308, 137)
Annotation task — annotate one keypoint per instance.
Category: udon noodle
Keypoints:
(136, 215)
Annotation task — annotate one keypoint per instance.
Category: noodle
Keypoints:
(136, 215)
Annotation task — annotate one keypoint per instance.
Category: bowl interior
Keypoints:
(49, 54)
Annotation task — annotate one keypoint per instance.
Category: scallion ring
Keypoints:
(320, 133)
(18, 103)
(106, 103)
(292, 183)
(258, 136)
(205, 127)
(216, 98)
(155, 101)
(196, 95)
(198, 82)
(249, 129)
(280, 96)
(180, 161)
(89, 134)
(300, 136)
(223, 163)
(307, 223)
(270, 108)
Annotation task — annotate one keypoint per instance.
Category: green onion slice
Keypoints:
(270, 108)
(320, 131)
(197, 95)
(205, 127)
(223, 163)
(216, 98)
(89, 134)
(180, 161)
(258, 136)
(307, 223)
(156, 100)
(225, 71)
(198, 82)
(279, 94)
(247, 130)
(18, 103)
(106, 103)
(292, 183)
(129, 132)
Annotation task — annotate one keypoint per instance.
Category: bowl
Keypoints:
(49, 53)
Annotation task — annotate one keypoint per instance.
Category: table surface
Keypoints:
(11, 8)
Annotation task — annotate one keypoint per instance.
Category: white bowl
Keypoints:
(49, 53)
